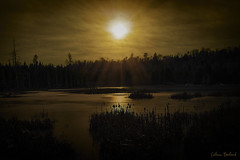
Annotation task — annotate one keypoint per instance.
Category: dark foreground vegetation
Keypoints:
(123, 134)
(203, 66)
(31, 139)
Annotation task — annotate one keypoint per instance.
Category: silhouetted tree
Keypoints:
(14, 55)
(69, 60)
(35, 59)
(198, 67)
(145, 55)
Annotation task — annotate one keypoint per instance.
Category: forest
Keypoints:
(205, 66)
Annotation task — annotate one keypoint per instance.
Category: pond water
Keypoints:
(72, 111)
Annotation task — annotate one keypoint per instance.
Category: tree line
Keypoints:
(203, 66)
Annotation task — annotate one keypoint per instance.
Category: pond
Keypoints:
(72, 111)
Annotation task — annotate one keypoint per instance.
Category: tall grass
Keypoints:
(31, 139)
(123, 134)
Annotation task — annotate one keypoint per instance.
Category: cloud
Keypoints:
(54, 28)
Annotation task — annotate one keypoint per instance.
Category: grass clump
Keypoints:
(31, 139)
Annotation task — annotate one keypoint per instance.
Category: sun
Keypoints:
(119, 29)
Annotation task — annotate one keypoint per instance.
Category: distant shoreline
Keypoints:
(130, 89)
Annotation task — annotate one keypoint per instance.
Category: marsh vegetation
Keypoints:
(32, 139)
(71, 109)
(123, 134)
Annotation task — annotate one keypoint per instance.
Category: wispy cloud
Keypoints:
(53, 28)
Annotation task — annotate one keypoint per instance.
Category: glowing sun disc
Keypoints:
(119, 29)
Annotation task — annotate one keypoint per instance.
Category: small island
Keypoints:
(185, 96)
(140, 95)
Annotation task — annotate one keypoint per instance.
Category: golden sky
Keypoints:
(53, 28)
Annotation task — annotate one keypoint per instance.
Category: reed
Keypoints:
(123, 134)
(126, 133)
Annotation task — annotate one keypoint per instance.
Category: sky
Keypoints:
(53, 28)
